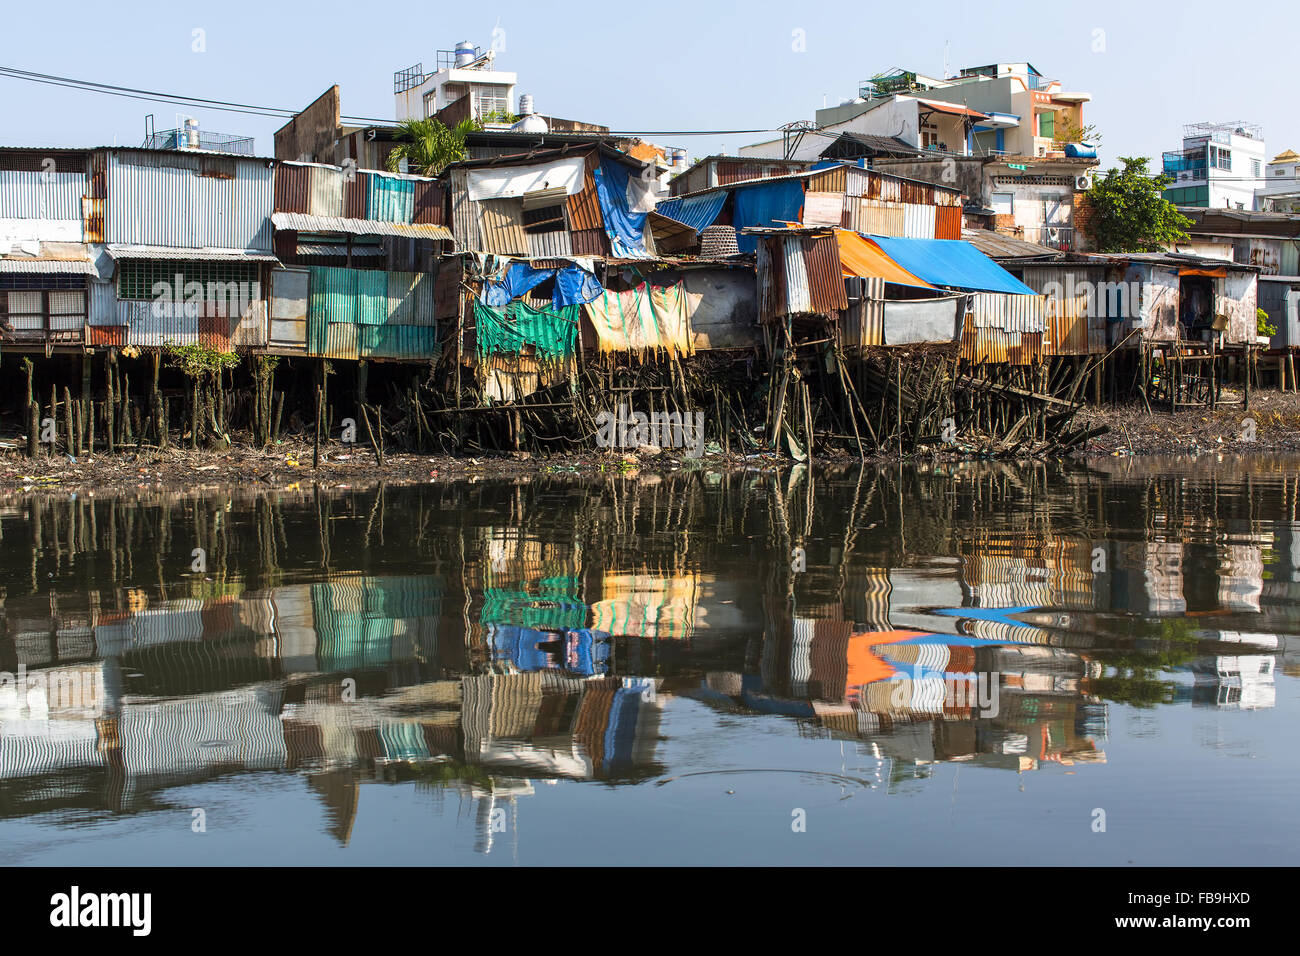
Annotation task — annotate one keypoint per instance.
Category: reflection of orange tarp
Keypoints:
(861, 258)
(864, 666)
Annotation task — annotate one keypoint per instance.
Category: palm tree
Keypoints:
(428, 146)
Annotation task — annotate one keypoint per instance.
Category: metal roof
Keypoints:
(303, 222)
(117, 251)
(808, 174)
(28, 266)
(995, 245)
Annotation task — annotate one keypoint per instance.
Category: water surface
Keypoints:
(979, 663)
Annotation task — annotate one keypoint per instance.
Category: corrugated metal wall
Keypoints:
(41, 195)
(464, 213)
(389, 199)
(862, 324)
(502, 224)
(918, 221)
(876, 217)
(799, 275)
(1071, 331)
(187, 201)
(947, 222)
(359, 313)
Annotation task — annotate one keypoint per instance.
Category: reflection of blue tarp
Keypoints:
(626, 229)
(580, 651)
(952, 263)
(620, 735)
(573, 285)
(698, 212)
(766, 204)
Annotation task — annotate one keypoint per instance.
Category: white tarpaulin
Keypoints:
(511, 182)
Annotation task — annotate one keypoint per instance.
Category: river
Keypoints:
(976, 663)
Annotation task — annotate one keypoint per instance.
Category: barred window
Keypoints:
(137, 277)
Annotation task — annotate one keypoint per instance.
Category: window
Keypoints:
(35, 310)
(1047, 125)
(1255, 168)
(1003, 204)
(490, 100)
(1220, 158)
(137, 277)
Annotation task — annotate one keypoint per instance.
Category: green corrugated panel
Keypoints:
(412, 342)
(403, 740)
(552, 334)
(389, 200)
(371, 297)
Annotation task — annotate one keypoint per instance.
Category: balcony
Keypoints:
(1185, 165)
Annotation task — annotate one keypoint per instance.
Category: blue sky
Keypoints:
(666, 65)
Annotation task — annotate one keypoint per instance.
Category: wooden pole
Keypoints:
(315, 454)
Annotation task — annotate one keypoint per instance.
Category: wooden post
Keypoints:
(68, 430)
(1246, 353)
(33, 430)
(315, 454)
(87, 392)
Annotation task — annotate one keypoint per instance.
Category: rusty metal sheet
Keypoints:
(354, 196)
(947, 222)
(771, 279)
(733, 171)
(878, 218)
(584, 206)
(292, 187)
(464, 213)
(862, 322)
(589, 242)
(429, 196)
(921, 194)
(833, 179)
(502, 223)
(107, 336)
(825, 276)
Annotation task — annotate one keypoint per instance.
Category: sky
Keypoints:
(669, 65)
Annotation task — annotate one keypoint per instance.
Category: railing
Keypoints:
(217, 142)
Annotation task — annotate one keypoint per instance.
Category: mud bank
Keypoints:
(1132, 430)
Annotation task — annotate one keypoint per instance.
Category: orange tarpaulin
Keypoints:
(858, 257)
(1214, 273)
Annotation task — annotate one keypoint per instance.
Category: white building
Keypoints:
(1281, 190)
(1221, 165)
(466, 70)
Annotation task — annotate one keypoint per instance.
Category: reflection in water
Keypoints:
(481, 638)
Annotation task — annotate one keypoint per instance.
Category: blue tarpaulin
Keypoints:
(766, 204)
(698, 212)
(573, 285)
(626, 229)
(952, 263)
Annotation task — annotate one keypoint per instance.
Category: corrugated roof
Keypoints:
(952, 108)
(188, 254)
(26, 265)
(995, 245)
(302, 222)
(698, 211)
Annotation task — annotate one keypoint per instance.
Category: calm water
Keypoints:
(977, 664)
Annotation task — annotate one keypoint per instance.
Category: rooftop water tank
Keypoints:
(465, 53)
(529, 121)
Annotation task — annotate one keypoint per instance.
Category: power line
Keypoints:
(274, 112)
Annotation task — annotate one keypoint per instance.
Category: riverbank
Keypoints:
(1132, 431)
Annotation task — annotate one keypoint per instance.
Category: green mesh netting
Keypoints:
(554, 334)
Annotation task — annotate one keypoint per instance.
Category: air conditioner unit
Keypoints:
(1082, 183)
